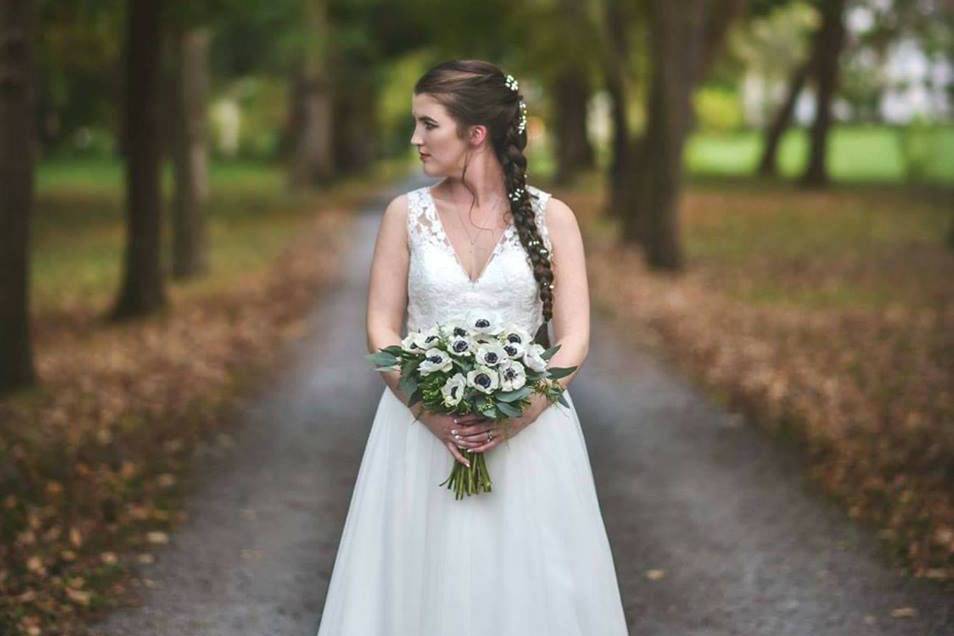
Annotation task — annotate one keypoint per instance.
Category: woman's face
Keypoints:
(441, 151)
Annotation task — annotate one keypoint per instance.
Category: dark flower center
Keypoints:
(491, 357)
(482, 379)
(460, 345)
(482, 322)
(435, 359)
(511, 350)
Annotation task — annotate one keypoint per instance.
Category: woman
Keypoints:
(531, 557)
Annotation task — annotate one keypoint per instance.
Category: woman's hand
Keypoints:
(538, 403)
(457, 431)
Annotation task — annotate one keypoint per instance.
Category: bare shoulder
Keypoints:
(561, 221)
(397, 208)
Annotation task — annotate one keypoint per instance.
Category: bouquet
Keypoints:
(474, 365)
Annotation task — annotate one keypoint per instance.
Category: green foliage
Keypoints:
(857, 154)
(718, 110)
(919, 146)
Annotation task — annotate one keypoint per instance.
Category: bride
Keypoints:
(531, 557)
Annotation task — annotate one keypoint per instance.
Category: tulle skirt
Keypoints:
(529, 558)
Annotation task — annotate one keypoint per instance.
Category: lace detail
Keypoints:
(439, 288)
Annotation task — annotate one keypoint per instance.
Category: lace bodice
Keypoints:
(439, 288)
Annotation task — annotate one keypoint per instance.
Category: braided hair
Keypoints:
(478, 92)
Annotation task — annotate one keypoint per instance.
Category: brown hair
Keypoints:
(476, 92)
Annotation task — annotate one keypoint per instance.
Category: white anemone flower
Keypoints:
(483, 321)
(431, 336)
(490, 354)
(484, 379)
(461, 346)
(514, 350)
(515, 333)
(453, 389)
(512, 375)
(435, 360)
(414, 342)
(533, 359)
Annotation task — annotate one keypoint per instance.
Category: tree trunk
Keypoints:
(574, 152)
(142, 291)
(616, 69)
(313, 160)
(356, 130)
(826, 54)
(675, 41)
(17, 156)
(190, 252)
(768, 164)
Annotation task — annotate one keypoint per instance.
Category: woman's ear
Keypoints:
(477, 134)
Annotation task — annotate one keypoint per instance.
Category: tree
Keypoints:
(142, 291)
(313, 158)
(616, 70)
(768, 164)
(826, 54)
(17, 151)
(684, 38)
(574, 152)
(190, 88)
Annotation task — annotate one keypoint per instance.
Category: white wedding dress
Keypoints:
(530, 558)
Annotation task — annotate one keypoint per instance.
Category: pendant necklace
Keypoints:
(473, 241)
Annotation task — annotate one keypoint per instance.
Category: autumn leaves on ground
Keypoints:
(828, 317)
(93, 464)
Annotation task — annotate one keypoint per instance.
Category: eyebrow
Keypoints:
(427, 117)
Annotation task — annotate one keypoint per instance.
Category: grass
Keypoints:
(78, 229)
(861, 153)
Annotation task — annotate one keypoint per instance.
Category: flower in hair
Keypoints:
(512, 83)
(523, 117)
(516, 194)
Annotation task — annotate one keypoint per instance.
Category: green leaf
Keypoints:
(382, 359)
(560, 372)
(408, 384)
(512, 396)
(546, 355)
(563, 401)
(509, 410)
(394, 350)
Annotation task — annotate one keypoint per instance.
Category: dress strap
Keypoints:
(420, 225)
(540, 201)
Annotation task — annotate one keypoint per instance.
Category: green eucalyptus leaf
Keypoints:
(509, 410)
(512, 396)
(560, 372)
(382, 359)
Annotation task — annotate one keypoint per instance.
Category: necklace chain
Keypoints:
(467, 232)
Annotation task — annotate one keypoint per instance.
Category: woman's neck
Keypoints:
(483, 184)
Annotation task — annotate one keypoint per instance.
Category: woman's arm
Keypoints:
(571, 296)
(387, 287)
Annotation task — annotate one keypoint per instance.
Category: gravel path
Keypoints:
(712, 527)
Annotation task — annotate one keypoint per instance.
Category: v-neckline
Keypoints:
(460, 264)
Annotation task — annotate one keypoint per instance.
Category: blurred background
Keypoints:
(766, 190)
